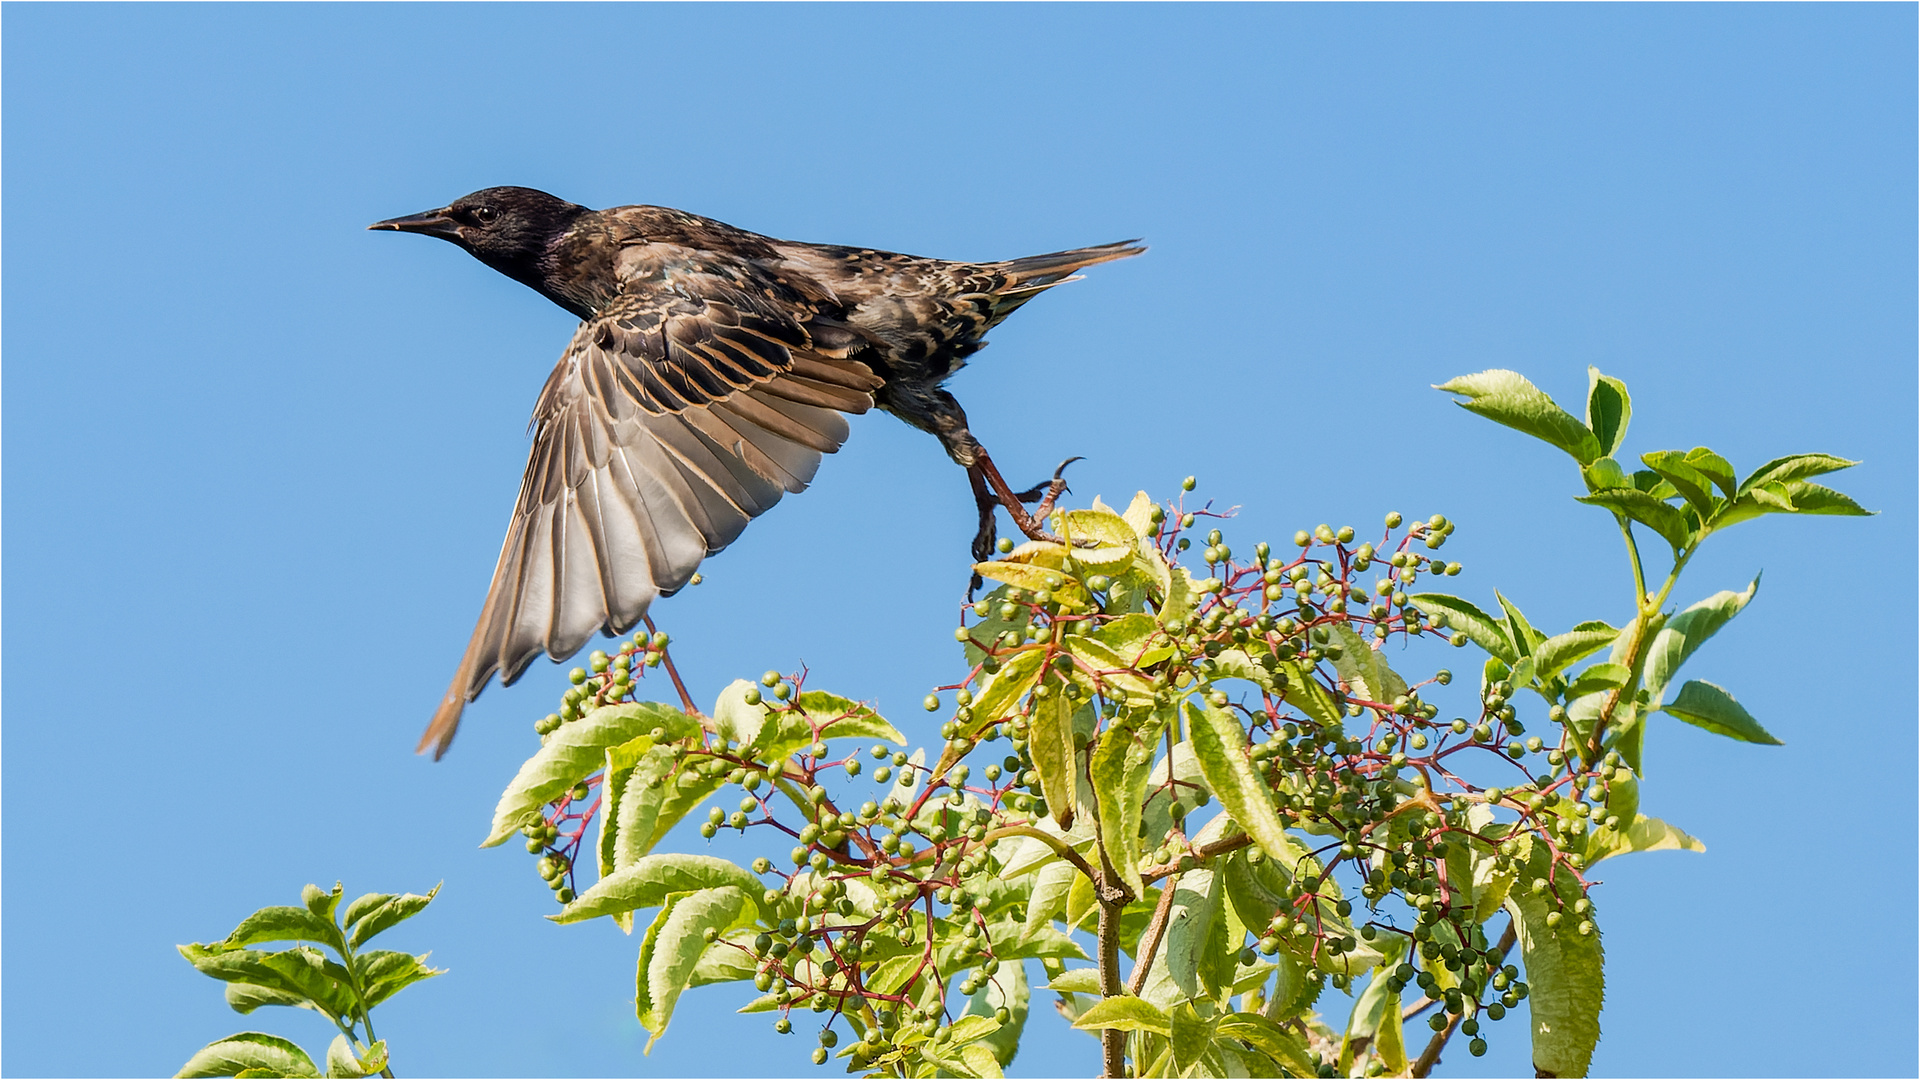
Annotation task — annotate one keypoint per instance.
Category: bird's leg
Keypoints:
(984, 468)
(986, 503)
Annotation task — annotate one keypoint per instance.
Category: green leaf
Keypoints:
(1376, 1012)
(1269, 1038)
(1505, 397)
(301, 971)
(1793, 467)
(1364, 669)
(243, 998)
(246, 1050)
(671, 950)
(342, 1061)
(1705, 705)
(1525, 638)
(1608, 410)
(1125, 1013)
(1713, 467)
(1000, 697)
(1049, 898)
(358, 909)
(1692, 484)
(842, 718)
(632, 788)
(1642, 507)
(384, 973)
(1053, 749)
(1019, 574)
(321, 902)
(1788, 497)
(728, 959)
(650, 880)
(1560, 651)
(1598, 678)
(1119, 769)
(1097, 537)
(282, 923)
(1084, 980)
(1684, 633)
(1565, 972)
(733, 718)
(1603, 473)
(574, 752)
(1191, 1036)
(1462, 615)
(1304, 692)
(388, 914)
(1220, 746)
(1189, 936)
(1645, 834)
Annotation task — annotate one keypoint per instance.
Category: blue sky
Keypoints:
(257, 461)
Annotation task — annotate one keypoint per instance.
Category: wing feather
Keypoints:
(671, 421)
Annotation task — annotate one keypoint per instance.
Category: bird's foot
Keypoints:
(985, 475)
(1046, 493)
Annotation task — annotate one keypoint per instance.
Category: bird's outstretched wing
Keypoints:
(674, 418)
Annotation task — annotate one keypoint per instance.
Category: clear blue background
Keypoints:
(257, 461)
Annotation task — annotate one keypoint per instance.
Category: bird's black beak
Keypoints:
(426, 223)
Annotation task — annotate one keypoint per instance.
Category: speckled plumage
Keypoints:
(711, 370)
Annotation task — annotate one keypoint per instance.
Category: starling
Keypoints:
(711, 370)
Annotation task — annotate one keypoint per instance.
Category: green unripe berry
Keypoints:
(1188, 484)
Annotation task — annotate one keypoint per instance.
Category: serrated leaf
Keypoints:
(243, 998)
(302, 971)
(1521, 632)
(1076, 981)
(1364, 669)
(728, 959)
(632, 787)
(1053, 749)
(1118, 771)
(671, 950)
(384, 973)
(843, 718)
(1561, 651)
(1644, 508)
(1684, 633)
(1645, 834)
(734, 719)
(1793, 467)
(358, 909)
(1191, 1036)
(574, 752)
(341, 1059)
(1608, 410)
(1505, 397)
(1599, 677)
(388, 914)
(1705, 705)
(1713, 467)
(321, 902)
(650, 880)
(284, 923)
(1022, 575)
(1481, 628)
(246, 1050)
(1692, 484)
(999, 699)
(1125, 1013)
(1278, 1043)
(1565, 973)
(1220, 747)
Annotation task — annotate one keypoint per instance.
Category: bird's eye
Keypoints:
(484, 214)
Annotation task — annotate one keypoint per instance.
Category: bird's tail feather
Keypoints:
(1052, 269)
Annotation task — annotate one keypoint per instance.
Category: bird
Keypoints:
(711, 370)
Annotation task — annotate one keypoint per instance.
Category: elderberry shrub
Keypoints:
(1198, 752)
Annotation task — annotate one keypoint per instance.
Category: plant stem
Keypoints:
(1150, 941)
(1633, 556)
(1113, 1042)
(666, 661)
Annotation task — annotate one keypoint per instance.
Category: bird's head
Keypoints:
(508, 228)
